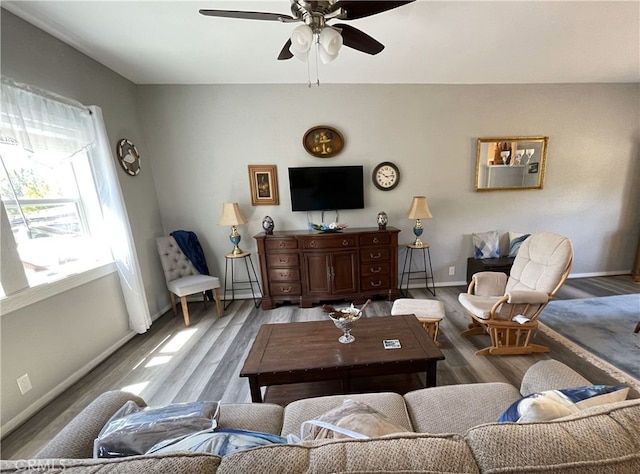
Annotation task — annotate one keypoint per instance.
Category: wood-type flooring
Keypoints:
(173, 363)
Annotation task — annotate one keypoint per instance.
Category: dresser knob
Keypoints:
(376, 284)
(375, 270)
(378, 255)
(281, 244)
(286, 290)
(345, 242)
(375, 240)
(283, 260)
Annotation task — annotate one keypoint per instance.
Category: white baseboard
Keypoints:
(572, 275)
(600, 274)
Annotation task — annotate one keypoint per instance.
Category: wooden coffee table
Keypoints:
(289, 353)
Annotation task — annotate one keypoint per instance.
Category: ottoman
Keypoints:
(428, 312)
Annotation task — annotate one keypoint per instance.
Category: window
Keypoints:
(49, 196)
(51, 204)
(61, 207)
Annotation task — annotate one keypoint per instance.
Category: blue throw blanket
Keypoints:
(190, 246)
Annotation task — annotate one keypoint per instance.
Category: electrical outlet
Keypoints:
(24, 383)
(452, 270)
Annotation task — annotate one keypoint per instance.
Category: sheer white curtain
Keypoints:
(34, 119)
(116, 226)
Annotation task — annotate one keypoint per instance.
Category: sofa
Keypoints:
(449, 429)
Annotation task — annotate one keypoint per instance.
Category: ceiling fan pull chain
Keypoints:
(308, 74)
(316, 57)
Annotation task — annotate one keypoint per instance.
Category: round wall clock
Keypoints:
(323, 142)
(128, 157)
(386, 176)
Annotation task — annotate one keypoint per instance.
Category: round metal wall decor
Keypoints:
(323, 141)
(128, 157)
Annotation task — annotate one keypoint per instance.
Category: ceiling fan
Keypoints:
(315, 15)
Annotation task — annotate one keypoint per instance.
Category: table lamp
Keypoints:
(231, 215)
(418, 210)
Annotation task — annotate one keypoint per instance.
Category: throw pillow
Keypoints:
(354, 416)
(515, 240)
(219, 441)
(486, 244)
(134, 430)
(552, 404)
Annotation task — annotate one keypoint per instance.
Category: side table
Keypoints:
(428, 272)
(241, 284)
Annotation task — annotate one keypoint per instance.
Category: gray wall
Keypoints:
(196, 143)
(56, 340)
(203, 137)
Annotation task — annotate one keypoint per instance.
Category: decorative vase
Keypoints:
(267, 225)
(382, 220)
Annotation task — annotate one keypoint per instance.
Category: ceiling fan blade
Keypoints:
(356, 39)
(249, 15)
(285, 53)
(355, 9)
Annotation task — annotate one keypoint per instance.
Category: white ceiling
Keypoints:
(445, 42)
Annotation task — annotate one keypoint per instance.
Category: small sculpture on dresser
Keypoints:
(382, 220)
(267, 225)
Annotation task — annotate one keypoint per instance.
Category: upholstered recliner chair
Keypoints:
(182, 277)
(508, 307)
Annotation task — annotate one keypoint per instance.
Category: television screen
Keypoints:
(325, 188)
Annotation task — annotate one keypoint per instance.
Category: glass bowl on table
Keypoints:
(345, 320)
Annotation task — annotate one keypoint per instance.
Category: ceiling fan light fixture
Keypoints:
(301, 41)
(325, 57)
(331, 41)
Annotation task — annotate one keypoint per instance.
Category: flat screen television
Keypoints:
(325, 188)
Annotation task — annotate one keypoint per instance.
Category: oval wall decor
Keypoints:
(323, 141)
(128, 157)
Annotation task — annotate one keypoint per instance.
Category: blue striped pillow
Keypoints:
(515, 240)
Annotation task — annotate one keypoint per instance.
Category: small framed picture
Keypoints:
(264, 185)
(391, 344)
(533, 167)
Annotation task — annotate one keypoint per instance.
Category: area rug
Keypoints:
(600, 330)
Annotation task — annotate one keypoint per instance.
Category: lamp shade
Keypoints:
(419, 208)
(231, 215)
(330, 43)
(301, 40)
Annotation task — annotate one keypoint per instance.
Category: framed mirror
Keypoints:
(509, 163)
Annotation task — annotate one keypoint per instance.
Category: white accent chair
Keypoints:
(183, 279)
(493, 300)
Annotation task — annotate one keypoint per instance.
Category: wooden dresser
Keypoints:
(307, 267)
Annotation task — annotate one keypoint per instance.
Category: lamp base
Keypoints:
(418, 243)
(235, 238)
(237, 251)
(417, 231)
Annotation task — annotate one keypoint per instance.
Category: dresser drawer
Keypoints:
(284, 274)
(375, 268)
(330, 242)
(283, 260)
(375, 254)
(383, 238)
(280, 244)
(284, 289)
(374, 282)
